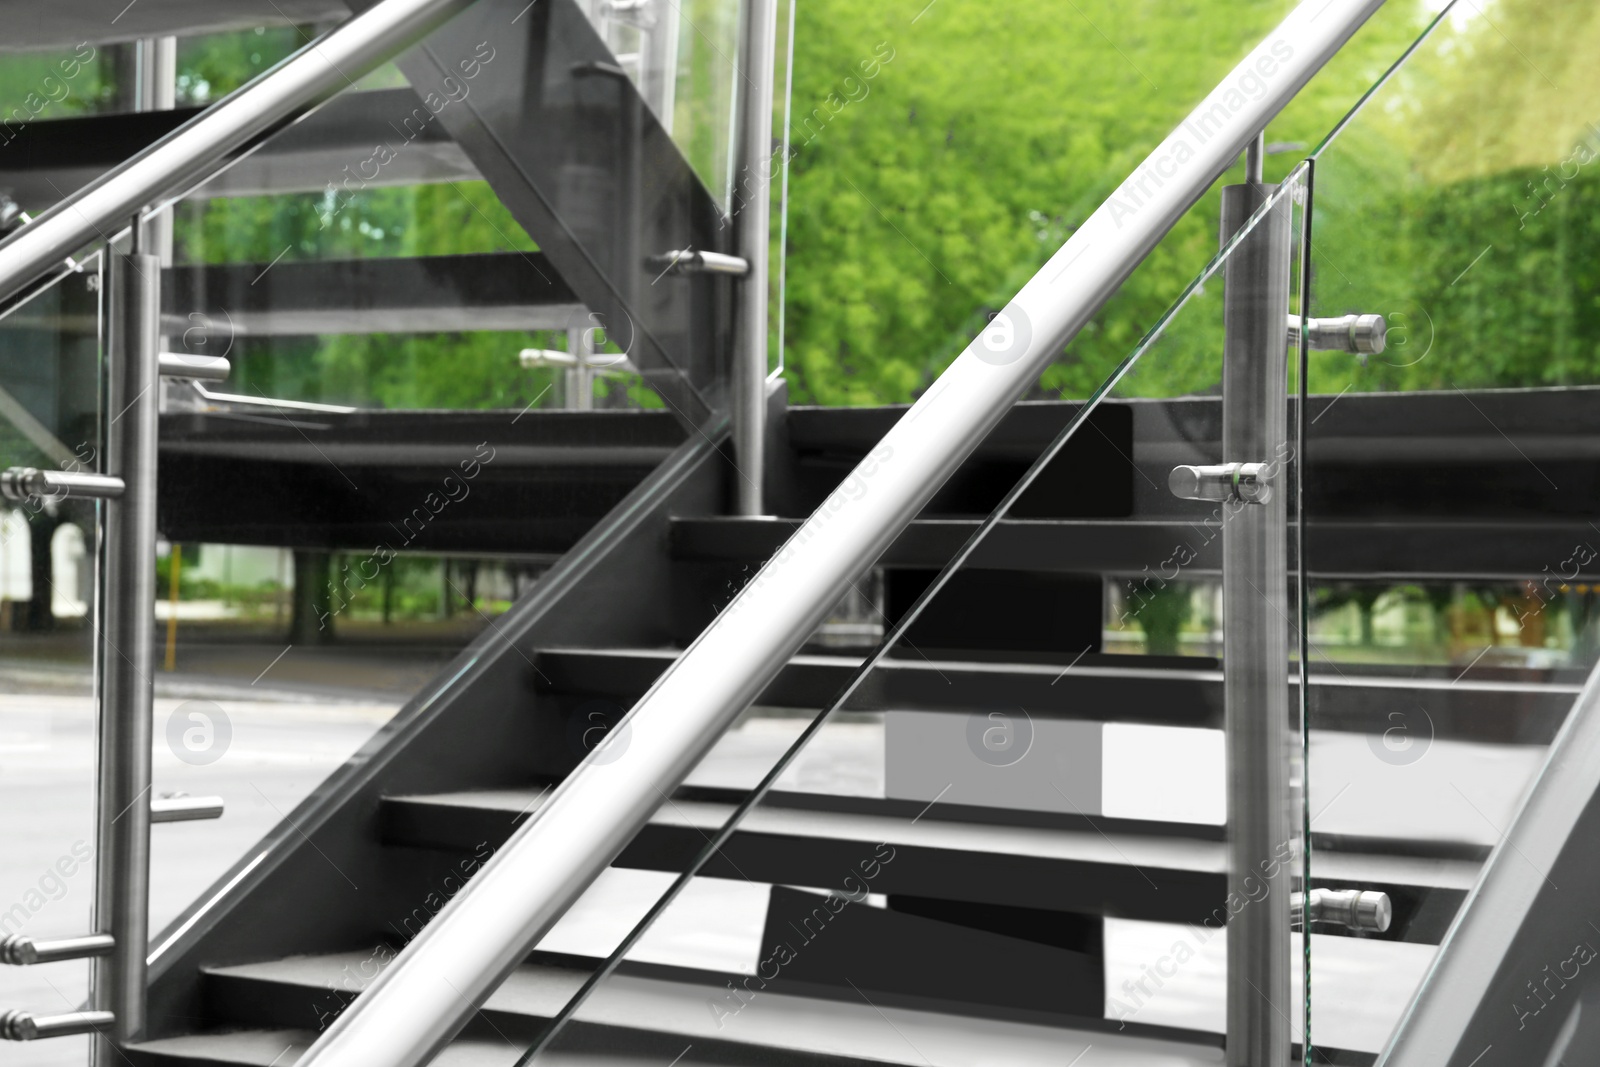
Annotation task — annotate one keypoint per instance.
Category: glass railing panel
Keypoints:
(376, 176)
(683, 57)
(570, 248)
(50, 419)
(1448, 571)
(1003, 823)
(100, 81)
(426, 407)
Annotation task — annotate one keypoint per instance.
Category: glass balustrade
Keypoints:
(51, 419)
(1450, 585)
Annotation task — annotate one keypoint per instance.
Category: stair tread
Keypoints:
(279, 1048)
(1336, 548)
(1145, 851)
(826, 1028)
(378, 294)
(1113, 665)
(56, 157)
(1490, 705)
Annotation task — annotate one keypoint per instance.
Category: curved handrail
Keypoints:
(424, 997)
(217, 138)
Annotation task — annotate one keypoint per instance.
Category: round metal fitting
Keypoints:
(18, 950)
(18, 1025)
(1246, 482)
(1368, 334)
(18, 483)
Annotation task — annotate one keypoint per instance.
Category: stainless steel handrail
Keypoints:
(439, 980)
(217, 138)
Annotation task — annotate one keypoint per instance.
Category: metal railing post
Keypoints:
(155, 88)
(579, 378)
(751, 205)
(1256, 640)
(122, 874)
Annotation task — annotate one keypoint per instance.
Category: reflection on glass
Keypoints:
(1451, 587)
(50, 419)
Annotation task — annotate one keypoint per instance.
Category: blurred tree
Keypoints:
(1161, 614)
(923, 197)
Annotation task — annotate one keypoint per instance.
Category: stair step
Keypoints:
(1088, 870)
(522, 485)
(1549, 424)
(279, 1048)
(392, 294)
(1367, 550)
(1368, 455)
(379, 438)
(1105, 688)
(48, 160)
(671, 1018)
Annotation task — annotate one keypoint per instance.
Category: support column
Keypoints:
(751, 203)
(1256, 620)
(579, 378)
(122, 873)
(155, 88)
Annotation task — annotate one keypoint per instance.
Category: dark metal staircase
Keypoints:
(631, 512)
(1022, 891)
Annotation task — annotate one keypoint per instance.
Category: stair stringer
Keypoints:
(321, 880)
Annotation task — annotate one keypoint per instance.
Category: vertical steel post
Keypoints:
(1256, 619)
(122, 873)
(751, 203)
(579, 378)
(155, 88)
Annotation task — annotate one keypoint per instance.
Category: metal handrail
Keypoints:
(218, 137)
(441, 978)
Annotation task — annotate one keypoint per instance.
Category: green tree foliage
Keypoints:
(54, 84)
(943, 152)
(1462, 205)
(942, 183)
